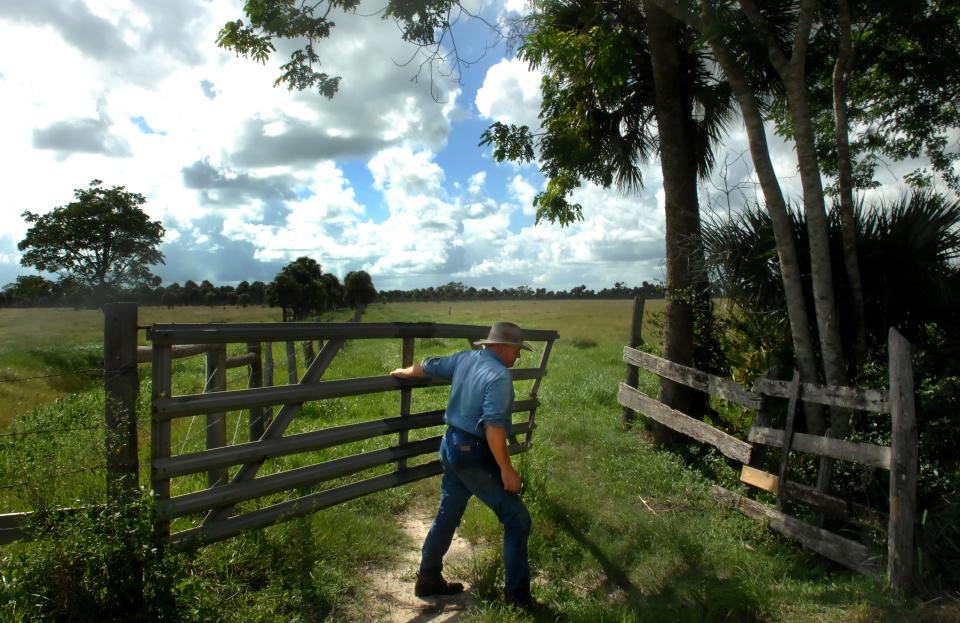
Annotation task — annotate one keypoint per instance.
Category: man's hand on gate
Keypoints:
(409, 372)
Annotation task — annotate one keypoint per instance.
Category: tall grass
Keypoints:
(622, 531)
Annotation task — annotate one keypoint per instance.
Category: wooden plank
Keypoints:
(901, 566)
(245, 359)
(162, 372)
(299, 507)
(256, 423)
(277, 427)
(691, 377)
(12, 528)
(216, 422)
(829, 504)
(532, 418)
(406, 395)
(311, 475)
(196, 333)
(145, 353)
(864, 453)
(788, 436)
(659, 412)
(635, 340)
(831, 395)
(194, 404)
(305, 505)
(267, 379)
(758, 456)
(829, 545)
(121, 385)
(261, 450)
(292, 374)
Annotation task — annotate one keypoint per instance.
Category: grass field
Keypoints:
(622, 531)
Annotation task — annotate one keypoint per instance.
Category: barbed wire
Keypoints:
(91, 468)
(50, 431)
(20, 379)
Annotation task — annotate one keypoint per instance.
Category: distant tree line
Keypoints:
(457, 291)
(302, 288)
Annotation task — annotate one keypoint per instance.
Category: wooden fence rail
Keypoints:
(265, 438)
(216, 506)
(900, 458)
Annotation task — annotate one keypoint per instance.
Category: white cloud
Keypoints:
(510, 94)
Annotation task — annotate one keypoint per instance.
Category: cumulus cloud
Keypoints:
(91, 136)
(510, 94)
(246, 177)
(91, 34)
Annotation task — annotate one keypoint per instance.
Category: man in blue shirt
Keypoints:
(476, 460)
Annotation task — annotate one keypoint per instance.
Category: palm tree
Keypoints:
(622, 83)
(907, 249)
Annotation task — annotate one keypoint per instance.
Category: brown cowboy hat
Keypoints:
(505, 333)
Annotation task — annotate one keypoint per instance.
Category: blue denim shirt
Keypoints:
(481, 392)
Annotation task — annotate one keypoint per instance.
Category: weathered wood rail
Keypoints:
(215, 506)
(900, 457)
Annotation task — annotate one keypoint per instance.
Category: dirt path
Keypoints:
(393, 600)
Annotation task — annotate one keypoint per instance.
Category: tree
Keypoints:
(622, 83)
(298, 289)
(103, 240)
(30, 290)
(358, 290)
(332, 290)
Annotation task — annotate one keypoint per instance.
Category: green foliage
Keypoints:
(90, 566)
(358, 290)
(299, 288)
(306, 23)
(286, 19)
(906, 247)
(597, 110)
(622, 531)
(102, 240)
(30, 289)
(904, 90)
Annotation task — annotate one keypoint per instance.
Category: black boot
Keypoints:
(523, 600)
(428, 584)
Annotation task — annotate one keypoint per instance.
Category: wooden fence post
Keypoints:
(636, 339)
(406, 395)
(308, 352)
(292, 375)
(121, 385)
(268, 380)
(217, 422)
(903, 466)
(257, 424)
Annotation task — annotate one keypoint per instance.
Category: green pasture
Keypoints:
(622, 531)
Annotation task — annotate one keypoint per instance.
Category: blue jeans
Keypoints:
(470, 469)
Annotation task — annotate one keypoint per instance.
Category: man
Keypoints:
(475, 458)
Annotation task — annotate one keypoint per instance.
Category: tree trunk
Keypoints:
(841, 72)
(686, 271)
(780, 220)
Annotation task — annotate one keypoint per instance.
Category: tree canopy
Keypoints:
(299, 289)
(358, 290)
(102, 240)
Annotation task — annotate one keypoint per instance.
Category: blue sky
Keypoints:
(246, 177)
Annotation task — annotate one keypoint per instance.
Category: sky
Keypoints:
(385, 177)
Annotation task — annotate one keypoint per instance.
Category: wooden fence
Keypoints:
(232, 468)
(218, 502)
(900, 457)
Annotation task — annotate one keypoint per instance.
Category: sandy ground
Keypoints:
(393, 600)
